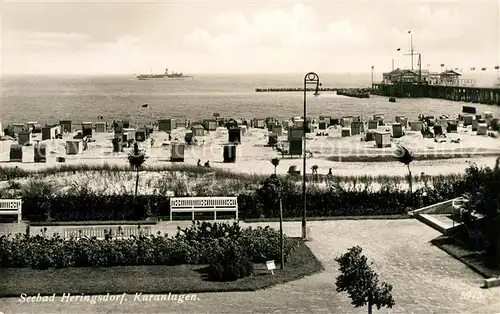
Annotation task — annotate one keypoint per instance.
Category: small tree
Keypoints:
(404, 156)
(361, 282)
(275, 162)
(136, 159)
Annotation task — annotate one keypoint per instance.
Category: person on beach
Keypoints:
(199, 163)
(330, 172)
(152, 142)
(169, 136)
(207, 164)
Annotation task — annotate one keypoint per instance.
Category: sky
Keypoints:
(125, 37)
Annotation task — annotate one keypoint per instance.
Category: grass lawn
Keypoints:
(149, 279)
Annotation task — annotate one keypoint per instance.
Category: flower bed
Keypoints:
(190, 261)
(194, 245)
(150, 279)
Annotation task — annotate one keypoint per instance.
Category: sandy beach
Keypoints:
(345, 155)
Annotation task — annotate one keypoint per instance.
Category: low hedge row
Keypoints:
(320, 203)
(198, 244)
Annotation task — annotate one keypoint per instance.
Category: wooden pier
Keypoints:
(481, 95)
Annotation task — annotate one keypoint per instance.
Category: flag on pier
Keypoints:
(145, 106)
(442, 64)
(399, 49)
(483, 69)
(497, 67)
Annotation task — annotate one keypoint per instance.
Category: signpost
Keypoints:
(271, 266)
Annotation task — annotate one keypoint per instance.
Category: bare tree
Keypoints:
(136, 159)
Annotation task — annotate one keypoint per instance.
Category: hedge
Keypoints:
(320, 203)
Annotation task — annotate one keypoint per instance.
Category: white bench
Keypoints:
(100, 231)
(203, 204)
(11, 207)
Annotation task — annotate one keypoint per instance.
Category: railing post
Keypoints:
(170, 209)
(20, 214)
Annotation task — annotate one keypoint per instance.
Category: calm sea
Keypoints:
(48, 99)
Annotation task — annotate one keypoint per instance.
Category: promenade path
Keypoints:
(426, 280)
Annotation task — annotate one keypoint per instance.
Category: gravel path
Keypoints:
(426, 280)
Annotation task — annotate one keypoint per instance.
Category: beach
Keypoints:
(47, 100)
(253, 155)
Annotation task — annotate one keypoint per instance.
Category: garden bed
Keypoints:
(156, 279)
(471, 258)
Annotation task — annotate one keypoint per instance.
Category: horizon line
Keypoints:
(188, 74)
(219, 73)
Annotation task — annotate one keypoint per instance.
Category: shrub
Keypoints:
(88, 206)
(481, 213)
(336, 199)
(262, 244)
(228, 260)
(206, 231)
(38, 188)
(195, 245)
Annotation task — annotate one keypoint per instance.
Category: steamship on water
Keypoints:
(165, 76)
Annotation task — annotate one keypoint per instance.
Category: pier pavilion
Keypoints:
(446, 85)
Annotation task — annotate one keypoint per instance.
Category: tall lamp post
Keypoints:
(497, 68)
(419, 64)
(310, 78)
(373, 67)
(399, 49)
(411, 48)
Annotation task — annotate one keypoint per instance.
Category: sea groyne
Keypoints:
(349, 92)
(294, 89)
(355, 92)
(481, 95)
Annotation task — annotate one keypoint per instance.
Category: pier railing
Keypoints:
(482, 95)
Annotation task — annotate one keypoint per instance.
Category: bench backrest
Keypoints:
(203, 202)
(12, 204)
(11, 207)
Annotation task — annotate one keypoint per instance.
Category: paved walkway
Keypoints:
(426, 280)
